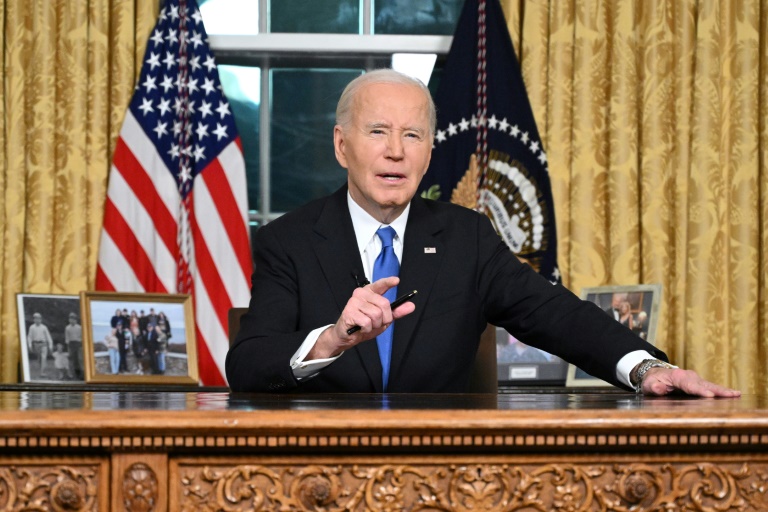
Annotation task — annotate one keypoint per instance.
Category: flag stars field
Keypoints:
(493, 123)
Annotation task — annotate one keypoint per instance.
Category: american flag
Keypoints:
(176, 214)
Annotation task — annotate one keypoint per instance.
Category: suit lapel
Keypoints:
(336, 249)
(422, 257)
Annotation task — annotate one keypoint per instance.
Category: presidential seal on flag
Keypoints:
(511, 198)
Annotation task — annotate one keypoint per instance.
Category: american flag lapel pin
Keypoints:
(430, 250)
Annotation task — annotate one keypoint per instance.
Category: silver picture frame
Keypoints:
(640, 314)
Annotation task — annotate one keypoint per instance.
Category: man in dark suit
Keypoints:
(613, 309)
(310, 293)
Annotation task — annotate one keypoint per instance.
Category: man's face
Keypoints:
(386, 148)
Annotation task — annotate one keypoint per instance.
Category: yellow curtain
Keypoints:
(69, 71)
(654, 115)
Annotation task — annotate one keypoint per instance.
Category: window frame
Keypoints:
(273, 50)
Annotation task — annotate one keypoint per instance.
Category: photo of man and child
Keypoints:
(51, 338)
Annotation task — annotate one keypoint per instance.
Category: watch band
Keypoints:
(638, 373)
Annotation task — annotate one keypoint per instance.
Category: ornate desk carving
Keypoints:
(51, 483)
(464, 484)
(142, 451)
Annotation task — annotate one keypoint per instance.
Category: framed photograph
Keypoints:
(636, 306)
(51, 338)
(519, 364)
(140, 338)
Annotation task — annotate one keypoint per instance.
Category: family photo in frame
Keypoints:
(635, 306)
(51, 338)
(139, 338)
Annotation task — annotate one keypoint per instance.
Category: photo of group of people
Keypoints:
(51, 338)
(138, 338)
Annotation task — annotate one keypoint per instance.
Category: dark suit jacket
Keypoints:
(465, 275)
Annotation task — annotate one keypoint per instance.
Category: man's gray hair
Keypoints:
(381, 76)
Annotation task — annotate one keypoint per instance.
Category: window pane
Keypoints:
(241, 86)
(416, 65)
(233, 17)
(323, 16)
(303, 165)
(420, 17)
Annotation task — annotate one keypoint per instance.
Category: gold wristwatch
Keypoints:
(637, 375)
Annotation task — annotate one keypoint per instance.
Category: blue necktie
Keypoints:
(386, 265)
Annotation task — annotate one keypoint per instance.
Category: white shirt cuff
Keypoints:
(304, 369)
(627, 363)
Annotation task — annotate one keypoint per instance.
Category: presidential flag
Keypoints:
(176, 214)
(487, 152)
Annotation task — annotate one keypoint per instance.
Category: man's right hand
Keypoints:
(368, 309)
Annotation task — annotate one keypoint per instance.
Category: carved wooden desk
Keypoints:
(545, 450)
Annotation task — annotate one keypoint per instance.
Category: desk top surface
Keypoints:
(523, 412)
(548, 399)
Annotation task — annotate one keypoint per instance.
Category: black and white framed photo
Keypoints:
(519, 364)
(51, 337)
(635, 306)
(139, 338)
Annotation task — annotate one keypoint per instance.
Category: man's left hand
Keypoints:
(662, 381)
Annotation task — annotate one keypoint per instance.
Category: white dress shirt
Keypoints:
(369, 245)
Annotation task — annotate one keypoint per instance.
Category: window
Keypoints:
(283, 65)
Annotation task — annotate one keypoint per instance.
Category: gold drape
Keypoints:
(654, 115)
(69, 71)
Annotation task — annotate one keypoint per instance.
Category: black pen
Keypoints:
(393, 305)
(402, 299)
